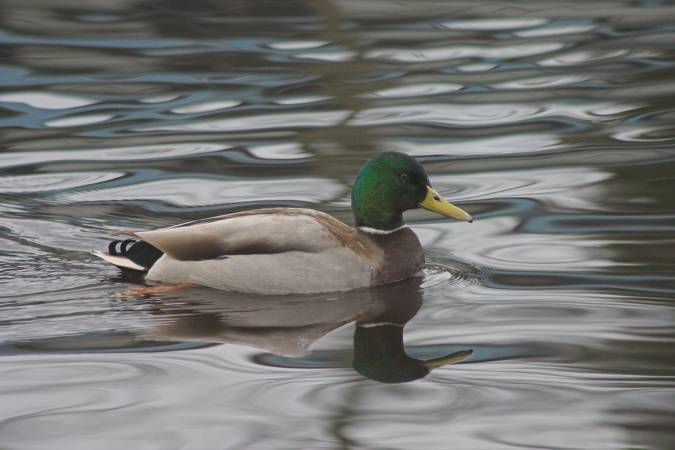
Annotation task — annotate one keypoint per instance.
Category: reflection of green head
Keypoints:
(388, 184)
(379, 355)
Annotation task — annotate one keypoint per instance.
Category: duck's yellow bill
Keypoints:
(449, 359)
(434, 202)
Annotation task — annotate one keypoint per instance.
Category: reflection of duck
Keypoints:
(295, 250)
(379, 353)
(287, 326)
(284, 326)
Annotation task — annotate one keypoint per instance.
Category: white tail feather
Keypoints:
(119, 261)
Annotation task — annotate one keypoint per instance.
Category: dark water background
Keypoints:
(551, 122)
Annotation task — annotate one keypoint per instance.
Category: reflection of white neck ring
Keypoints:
(379, 324)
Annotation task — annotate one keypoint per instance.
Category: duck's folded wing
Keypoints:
(269, 231)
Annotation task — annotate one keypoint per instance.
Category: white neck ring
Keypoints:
(377, 231)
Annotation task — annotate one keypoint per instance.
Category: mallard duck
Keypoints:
(297, 250)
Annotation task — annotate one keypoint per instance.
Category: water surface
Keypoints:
(551, 124)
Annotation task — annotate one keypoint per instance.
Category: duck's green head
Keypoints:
(390, 183)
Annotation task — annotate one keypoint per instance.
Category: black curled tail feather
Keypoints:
(140, 252)
(119, 247)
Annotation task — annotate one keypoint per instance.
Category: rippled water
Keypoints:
(553, 125)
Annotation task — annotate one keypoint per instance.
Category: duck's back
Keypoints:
(270, 251)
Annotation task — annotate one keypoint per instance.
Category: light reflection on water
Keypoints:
(553, 127)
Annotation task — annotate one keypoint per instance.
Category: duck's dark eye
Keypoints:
(404, 177)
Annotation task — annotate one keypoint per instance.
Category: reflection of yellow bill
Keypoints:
(434, 202)
(449, 359)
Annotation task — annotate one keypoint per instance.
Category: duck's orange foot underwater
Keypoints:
(149, 290)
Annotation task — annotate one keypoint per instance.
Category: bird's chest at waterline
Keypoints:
(402, 256)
